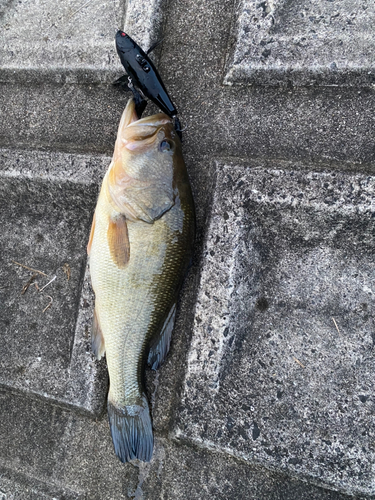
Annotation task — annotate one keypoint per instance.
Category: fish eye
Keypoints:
(165, 145)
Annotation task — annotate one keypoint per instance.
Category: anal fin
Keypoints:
(97, 339)
(160, 347)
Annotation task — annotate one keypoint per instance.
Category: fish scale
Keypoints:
(148, 209)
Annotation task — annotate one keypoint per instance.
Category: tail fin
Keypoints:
(131, 430)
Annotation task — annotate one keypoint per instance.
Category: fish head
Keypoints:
(142, 176)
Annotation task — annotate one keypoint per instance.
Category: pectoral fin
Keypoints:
(118, 241)
(160, 347)
(97, 339)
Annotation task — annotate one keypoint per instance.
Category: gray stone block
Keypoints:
(53, 450)
(46, 205)
(180, 472)
(144, 21)
(61, 38)
(280, 369)
(69, 118)
(71, 42)
(18, 486)
(63, 455)
(303, 43)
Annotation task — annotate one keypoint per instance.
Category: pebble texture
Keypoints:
(267, 393)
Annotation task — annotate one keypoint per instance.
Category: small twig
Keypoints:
(337, 328)
(53, 279)
(79, 8)
(49, 305)
(30, 268)
(26, 285)
(299, 362)
(66, 269)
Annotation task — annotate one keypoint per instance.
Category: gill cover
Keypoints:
(140, 178)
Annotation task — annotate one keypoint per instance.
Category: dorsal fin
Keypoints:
(91, 235)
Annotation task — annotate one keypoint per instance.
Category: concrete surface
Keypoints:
(280, 369)
(44, 220)
(62, 39)
(312, 42)
(267, 392)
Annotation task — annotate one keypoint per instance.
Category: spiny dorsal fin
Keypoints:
(118, 241)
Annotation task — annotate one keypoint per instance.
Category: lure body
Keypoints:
(144, 76)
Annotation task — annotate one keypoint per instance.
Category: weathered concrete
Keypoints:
(144, 21)
(281, 367)
(261, 396)
(45, 210)
(61, 39)
(72, 42)
(303, 43)
(203, 474)
(74, 456)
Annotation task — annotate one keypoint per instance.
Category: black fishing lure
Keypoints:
(143, 78)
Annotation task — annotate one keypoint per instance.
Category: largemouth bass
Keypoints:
(139, 251)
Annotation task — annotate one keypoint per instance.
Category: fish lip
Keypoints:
(156, 120)
(159, 120)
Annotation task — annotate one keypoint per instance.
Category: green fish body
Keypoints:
(139, 251)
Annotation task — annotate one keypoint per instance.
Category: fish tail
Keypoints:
(131, 430)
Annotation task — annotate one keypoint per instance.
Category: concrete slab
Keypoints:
(61, 38)
(56, 450)
(178, 472)
(303, 43)
(144, 21)
(18, 486)
(63, 455)
(281, 365)
(73, 41)
(46, 208)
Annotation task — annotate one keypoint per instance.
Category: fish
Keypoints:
(140, 249)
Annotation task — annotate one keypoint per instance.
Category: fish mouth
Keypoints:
(131, 118)
(137, 133)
